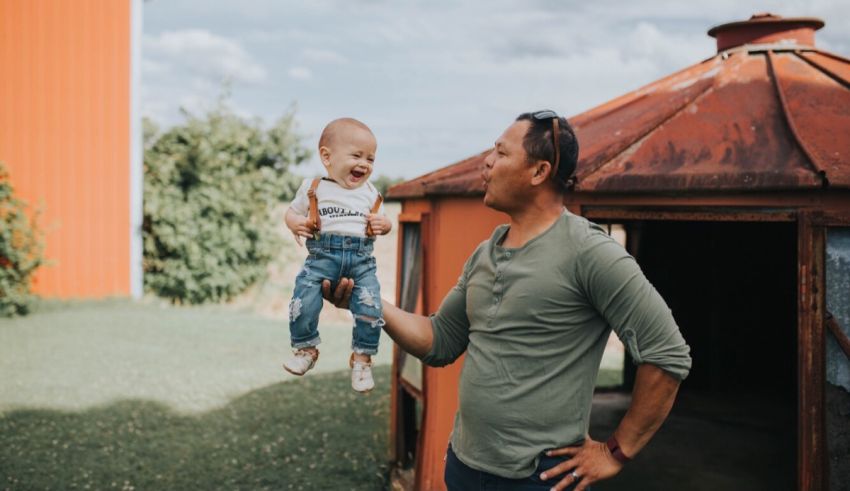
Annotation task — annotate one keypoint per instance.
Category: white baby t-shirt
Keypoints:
(341, 211)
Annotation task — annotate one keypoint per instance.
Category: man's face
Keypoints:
(350, 156)
(507, 175)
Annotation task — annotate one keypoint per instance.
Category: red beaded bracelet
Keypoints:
(614, 447)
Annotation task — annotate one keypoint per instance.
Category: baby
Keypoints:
(339, 215)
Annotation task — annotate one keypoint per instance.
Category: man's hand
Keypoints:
(298, 226)
(588, 463)
(341, 296)
(381, 225)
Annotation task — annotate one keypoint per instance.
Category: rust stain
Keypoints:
(750, 118)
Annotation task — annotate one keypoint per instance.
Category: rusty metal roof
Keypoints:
(773, 114)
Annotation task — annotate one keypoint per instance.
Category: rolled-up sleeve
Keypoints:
(451, 326)
(618, 289)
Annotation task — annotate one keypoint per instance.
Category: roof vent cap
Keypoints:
(767, 28)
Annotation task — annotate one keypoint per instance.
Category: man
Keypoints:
(533, 309)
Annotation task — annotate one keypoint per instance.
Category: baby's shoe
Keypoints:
(301, 362)
(361, 375)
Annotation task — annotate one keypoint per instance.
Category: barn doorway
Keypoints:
(732, 287)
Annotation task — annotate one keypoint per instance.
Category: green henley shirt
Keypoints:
(534, 322)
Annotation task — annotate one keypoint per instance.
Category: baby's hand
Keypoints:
(300, 228)
(381, 225)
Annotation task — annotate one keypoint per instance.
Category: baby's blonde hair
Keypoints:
(331, 130)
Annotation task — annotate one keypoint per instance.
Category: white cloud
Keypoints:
(190, 69)
(276, 36)
(437, 80)
(300, 73)
(323, 56)
(205, 54)
(150, 67)
(668, 51)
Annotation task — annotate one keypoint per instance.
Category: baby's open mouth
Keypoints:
(357, 174)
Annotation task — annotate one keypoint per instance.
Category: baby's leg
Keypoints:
(365, 305)
(304, 310)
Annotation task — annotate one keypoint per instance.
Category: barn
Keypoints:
(731, 180)
(70, 136)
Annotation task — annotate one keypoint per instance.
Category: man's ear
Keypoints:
(542, 169)
(325, 156)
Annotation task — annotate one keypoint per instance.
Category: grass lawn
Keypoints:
(126, 395)
(122, 395)
(310, 434)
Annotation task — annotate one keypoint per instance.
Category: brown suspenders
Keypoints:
(313, 220)
(375, 208)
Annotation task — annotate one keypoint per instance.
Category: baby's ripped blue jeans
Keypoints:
(332, 257)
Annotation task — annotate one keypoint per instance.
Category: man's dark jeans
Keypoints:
(461, 477)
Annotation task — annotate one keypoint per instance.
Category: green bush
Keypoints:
(383, 182)
(21, 250)
(210, 186)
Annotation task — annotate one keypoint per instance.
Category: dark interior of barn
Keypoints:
(732, 289)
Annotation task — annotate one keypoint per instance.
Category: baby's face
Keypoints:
(350, 156)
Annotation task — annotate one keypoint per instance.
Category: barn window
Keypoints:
(409, 368)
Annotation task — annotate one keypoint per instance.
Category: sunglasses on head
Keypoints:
(543, 116)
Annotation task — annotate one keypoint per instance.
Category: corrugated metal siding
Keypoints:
(64, 134)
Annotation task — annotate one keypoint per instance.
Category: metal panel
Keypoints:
(463, 177)
(64, 134)
(733, 137)
(838, 303)
(818, 107)
(830, 64)
(838, 355)
(620, 130)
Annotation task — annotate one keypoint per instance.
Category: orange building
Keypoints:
(731, 178)
(70, 135)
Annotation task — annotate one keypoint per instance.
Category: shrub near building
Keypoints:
(210, 186)
(20, 250)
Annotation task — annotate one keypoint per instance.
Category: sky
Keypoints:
(436, 80)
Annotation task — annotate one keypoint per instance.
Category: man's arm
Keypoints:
(615, 286)
(437, 340)
(652, 398)
(412, 332)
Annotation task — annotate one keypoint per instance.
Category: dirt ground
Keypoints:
(707, 443)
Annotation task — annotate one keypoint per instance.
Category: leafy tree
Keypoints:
(383, 182)
(210, 185)
(21, 248)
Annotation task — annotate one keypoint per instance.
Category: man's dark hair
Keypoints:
(538, 144)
